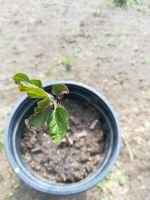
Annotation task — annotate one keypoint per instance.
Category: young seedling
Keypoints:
(122, 179)
(68, 62)
(49, 109)
(146, 60)
(104, 197)
(1, 146)
(124, 2)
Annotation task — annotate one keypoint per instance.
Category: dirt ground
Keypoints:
(110, 50)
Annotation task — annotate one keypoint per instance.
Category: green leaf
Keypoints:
(44, 103)
(37, 83)
(20, 77)
(104, 197)
(32, 91)
(58, 124)
(59, 90)
(1, 146)
(38, 119)
(122, 180)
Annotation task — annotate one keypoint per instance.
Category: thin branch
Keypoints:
(129, 150)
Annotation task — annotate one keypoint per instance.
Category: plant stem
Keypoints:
(51, 97)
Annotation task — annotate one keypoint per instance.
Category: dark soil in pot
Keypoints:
(76, 156)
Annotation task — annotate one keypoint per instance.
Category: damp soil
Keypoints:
(76, 156)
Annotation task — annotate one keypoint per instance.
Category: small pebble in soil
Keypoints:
(93, 124)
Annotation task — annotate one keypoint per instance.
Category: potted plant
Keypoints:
(62, 139)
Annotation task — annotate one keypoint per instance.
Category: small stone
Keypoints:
(23, 147)
(40, 158)
(79, 127)
(50, 169)
(57, 178)
(89, 167)
(84, 158)
(36, 149)
(28, 144)
(93, 124)
(45, 175)
(27, 157)
(87, 142)
(33, 139)
(78, 145)
(96, 159)
(73, 120)
(76, 175)
(62, 177)
(70, 179)
(69, 141)
(35, 166)
(45, 159)
(82, 134)
(46, 165)
(76, 165)
(100, 136)
(94, 151)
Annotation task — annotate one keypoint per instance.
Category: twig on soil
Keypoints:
(129, 150)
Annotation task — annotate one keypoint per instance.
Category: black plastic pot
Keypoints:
(15, 126)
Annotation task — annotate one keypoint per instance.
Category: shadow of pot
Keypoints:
(15, 127)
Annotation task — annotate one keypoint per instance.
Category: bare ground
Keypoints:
(111, 52)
